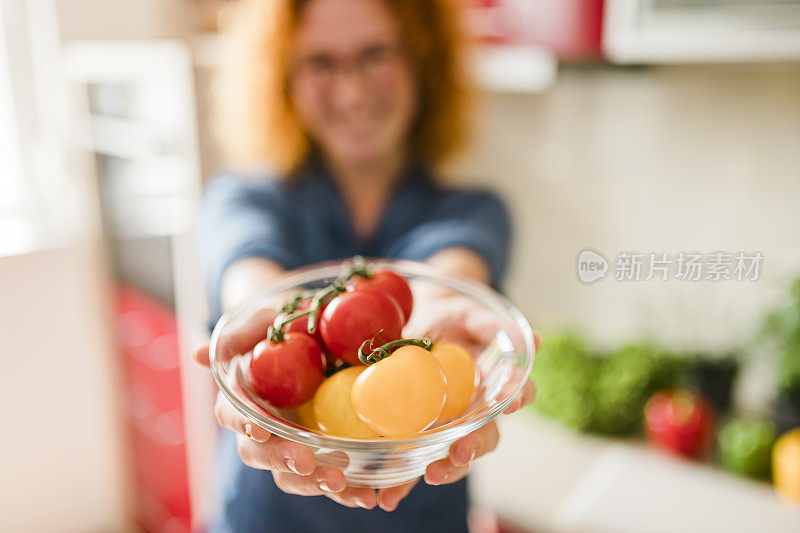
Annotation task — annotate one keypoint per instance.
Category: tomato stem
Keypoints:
(381, 352)
(356, 268)
(359, 268)
(336, 287)
(275, 332)
(292, 305)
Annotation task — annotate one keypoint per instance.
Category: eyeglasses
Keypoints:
(372, 63)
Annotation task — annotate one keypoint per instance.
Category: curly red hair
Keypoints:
(252, 112)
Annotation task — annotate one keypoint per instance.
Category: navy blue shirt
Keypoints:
(302, 221)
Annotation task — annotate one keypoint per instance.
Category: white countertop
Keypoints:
(546, 478)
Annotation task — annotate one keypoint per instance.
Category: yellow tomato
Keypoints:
(459, 372)
(332, 408)
(786, 465)
(401, 394)
(305, 413)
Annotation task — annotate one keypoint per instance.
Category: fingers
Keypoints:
(363, 497)
(323, 480)
(326, 481)
(228, 417)
(200, 354)
(329, 481)
(525, 398)
(242, 337)
(479, 442)
(528, 393)
(443, 471)
(277, 455)
(529, 390)
(389, 498)
(483, 325)
(456, 465)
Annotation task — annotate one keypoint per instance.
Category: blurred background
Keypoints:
(620, 126)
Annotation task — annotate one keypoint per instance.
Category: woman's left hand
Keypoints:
(457, 319)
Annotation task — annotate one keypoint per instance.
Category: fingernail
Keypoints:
(431, 478)
(362, 503)
(258, 436)
(389, 505)
(323, 485)
(438, 479)
(291, 465)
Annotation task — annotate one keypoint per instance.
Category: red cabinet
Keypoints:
(153, 411)
(571, 29)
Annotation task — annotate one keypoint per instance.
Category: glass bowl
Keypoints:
(503, 355)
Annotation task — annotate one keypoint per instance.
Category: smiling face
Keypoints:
(352, 85)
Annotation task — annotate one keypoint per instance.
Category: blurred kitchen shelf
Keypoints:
(137, 119)
(498, 68)
(128, 138)
(546, 478)
(666, 31)
(147, 217)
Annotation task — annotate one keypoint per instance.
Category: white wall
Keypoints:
(59, 453)
(666, 159)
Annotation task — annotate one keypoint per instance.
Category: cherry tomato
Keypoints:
(679, 421)
(459, 373)
(287, 373)
(305, 414)
(333, 411)
(401, 394)
(392, 284)
(300, 325)
(356, 316)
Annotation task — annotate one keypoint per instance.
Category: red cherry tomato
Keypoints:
(356, 316)
(287, 373)
(301, 324)
(392, 284)
(680, 422)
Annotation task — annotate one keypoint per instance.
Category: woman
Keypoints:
(354, 103)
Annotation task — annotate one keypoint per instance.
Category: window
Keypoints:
(33, 199)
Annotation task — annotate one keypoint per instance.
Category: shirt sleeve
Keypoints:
(241, 218)
(474, 219)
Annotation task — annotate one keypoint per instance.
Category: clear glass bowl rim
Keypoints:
(330, 269)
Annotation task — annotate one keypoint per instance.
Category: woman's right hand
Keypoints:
(293, 465)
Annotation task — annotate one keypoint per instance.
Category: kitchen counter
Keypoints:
(546, 478)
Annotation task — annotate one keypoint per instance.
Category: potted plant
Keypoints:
(783, 327)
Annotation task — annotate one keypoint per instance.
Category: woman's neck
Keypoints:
(380, 172)
(366, 188)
